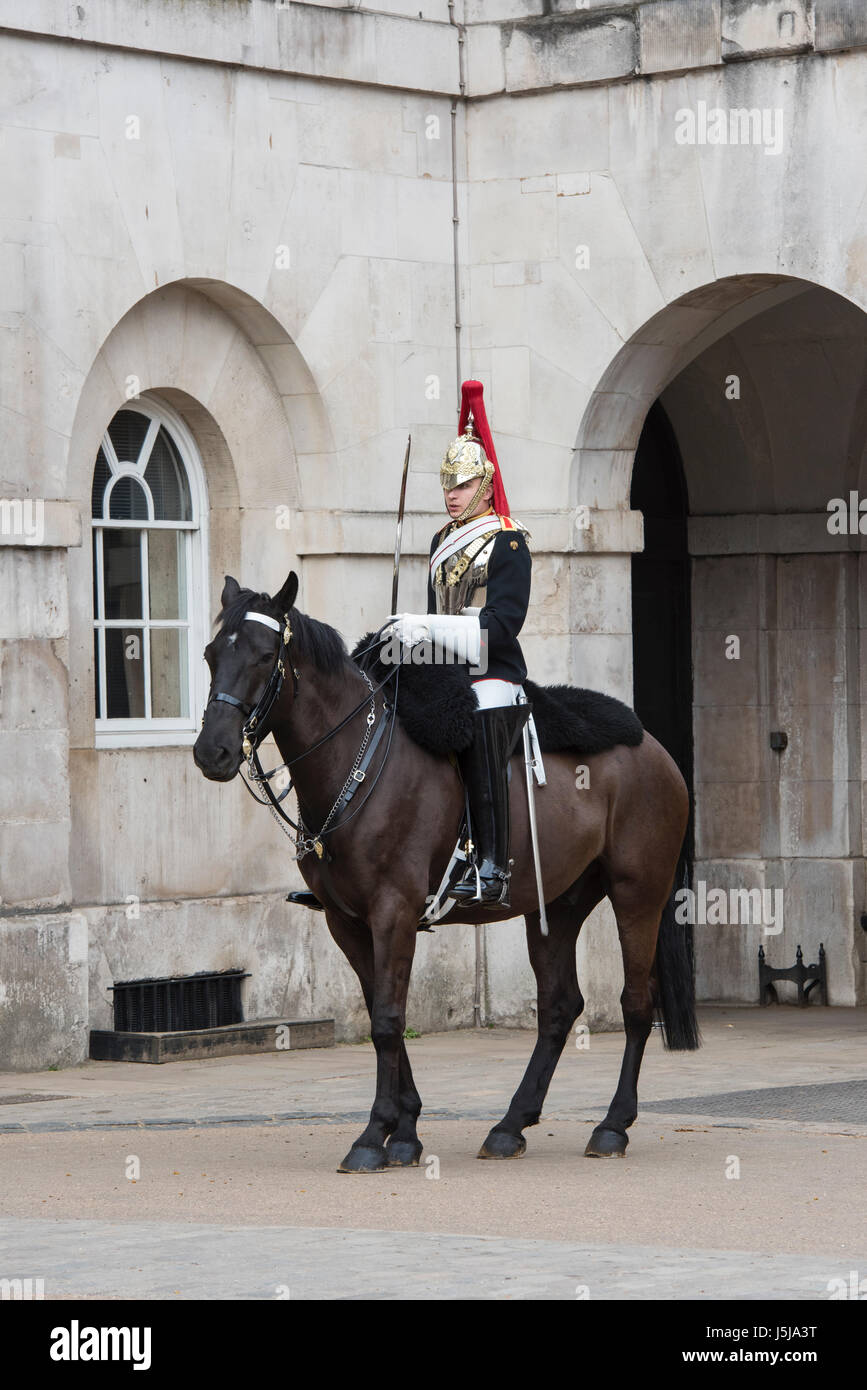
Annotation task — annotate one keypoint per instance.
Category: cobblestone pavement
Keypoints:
(217, 1179)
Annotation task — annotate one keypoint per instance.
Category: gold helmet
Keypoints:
(464, 460)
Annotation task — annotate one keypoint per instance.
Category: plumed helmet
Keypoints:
(472, 454)
(465, 459)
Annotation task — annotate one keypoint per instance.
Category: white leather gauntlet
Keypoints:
(458, 635)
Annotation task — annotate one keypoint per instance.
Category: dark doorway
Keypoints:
(661, 618)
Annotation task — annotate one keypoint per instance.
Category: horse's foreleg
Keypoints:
(404, 1147)
(559, 1004)
(397, 1104)
(638, 930)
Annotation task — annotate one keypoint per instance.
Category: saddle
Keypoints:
(436, 705)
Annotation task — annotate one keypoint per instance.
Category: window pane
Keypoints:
(101, 475)
(169, 673)
(167, 479)
(124, 673)
(123, 592)
(143, 573)
(96, 671)
(167, 577)
(96, 535)
(126, 432)
(128, 501)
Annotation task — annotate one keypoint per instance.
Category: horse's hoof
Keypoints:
(499, 1144)
(361, 1159)
(403, 1153)
(606, 1143)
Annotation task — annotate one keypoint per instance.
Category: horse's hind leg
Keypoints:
(637, 926)
(403, 1148)
(559, 1004)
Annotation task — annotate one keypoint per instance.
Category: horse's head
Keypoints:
(241, 659)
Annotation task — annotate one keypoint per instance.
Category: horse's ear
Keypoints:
(231, 590)
(288, 594)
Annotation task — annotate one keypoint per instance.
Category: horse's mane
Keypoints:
(315, 641)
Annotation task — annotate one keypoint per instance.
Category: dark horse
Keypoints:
(619, 836)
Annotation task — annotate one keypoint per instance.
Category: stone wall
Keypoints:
(159, 162)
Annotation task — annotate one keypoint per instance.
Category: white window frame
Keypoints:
(151, 733)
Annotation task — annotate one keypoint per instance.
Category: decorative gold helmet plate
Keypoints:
(465, 460)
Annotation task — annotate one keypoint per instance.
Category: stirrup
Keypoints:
(469, 889)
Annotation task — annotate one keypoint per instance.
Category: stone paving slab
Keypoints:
(463, 1073)
(159, 1260)
(238, 1193)
(681, 1184)
(838, 1102)
(747, 1107)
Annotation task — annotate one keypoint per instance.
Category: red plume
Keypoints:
(471, 400)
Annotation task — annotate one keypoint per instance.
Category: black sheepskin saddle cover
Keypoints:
(436, 705)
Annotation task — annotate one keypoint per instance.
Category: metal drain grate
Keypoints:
(178, 1002)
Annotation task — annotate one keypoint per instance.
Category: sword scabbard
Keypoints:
(400, 511)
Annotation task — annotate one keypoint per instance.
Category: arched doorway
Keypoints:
(730, 422)
(661, 610)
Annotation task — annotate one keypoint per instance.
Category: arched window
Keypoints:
(149, 513)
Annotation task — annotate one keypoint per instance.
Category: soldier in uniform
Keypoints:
(479, 590)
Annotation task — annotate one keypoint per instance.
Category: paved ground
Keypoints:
(216, 1179)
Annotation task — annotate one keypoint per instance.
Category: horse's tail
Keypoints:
(675, 979)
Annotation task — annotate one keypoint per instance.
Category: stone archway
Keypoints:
(601, 652)
(762, 381)
(202, 868)
(230, 370)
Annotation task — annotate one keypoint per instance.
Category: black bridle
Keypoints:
(258, 713)
(254, 731)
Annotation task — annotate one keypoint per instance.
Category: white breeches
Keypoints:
(492, 693)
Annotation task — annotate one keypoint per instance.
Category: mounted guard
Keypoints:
(478, 594)
(339, 737)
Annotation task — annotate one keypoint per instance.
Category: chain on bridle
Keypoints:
(253, 731)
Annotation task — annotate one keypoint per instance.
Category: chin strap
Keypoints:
(468, 509)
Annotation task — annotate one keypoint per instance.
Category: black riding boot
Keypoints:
(485, 768)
